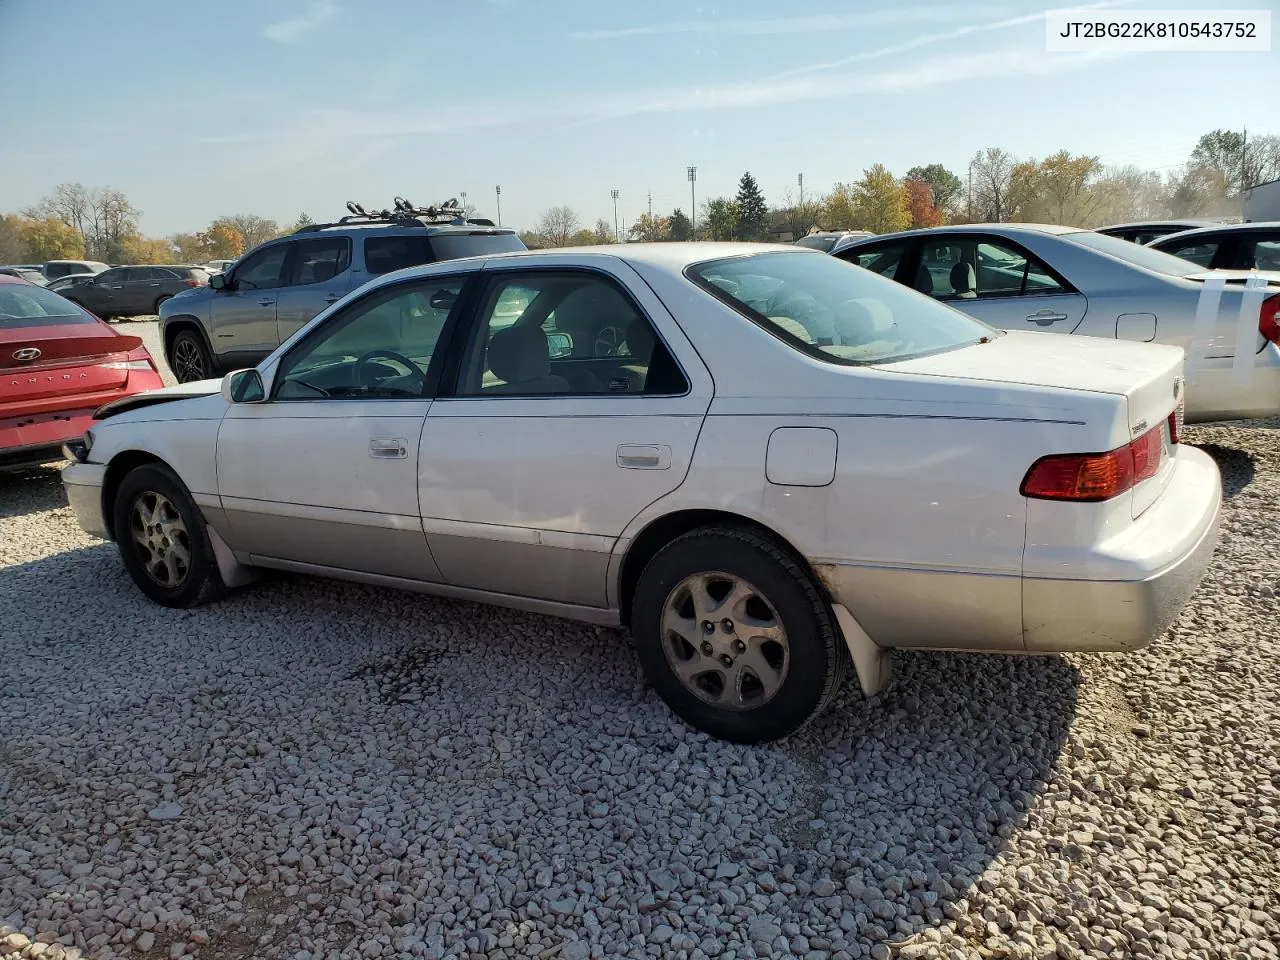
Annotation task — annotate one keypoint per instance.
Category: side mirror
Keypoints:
(243, 386)
(559, 345)
(218, 281)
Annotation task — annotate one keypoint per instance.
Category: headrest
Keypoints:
(924, 280)
(963, 279)
(519, 353)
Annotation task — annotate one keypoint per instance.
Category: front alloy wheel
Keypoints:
(189, 362)
(161, 539)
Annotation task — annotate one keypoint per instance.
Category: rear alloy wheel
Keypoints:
(163, 540)
(189, 359)
(735, 636)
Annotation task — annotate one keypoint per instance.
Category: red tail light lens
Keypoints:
(1092, 477)
(1269, 320)
(189, 282)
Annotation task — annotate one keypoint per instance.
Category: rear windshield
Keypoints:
(835, 311)
(818, 243)
(26, 306)
(1134, 253)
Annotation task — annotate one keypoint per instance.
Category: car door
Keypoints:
(1001, 283)
(319, 275)
(324, 472)
(243, 313)
(544, 443)
(100, 294)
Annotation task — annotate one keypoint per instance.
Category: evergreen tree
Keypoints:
(752, 211)
(679, 226)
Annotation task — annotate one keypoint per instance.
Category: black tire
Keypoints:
(816, 659)
(189, 358)
(160, 300)
(195, 581)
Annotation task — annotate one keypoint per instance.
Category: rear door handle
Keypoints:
(389, 448)
(154, 283)
(1046, 317)
(644, 456)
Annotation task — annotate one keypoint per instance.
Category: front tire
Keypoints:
(163, 539)
(189, 358)
(735, 636)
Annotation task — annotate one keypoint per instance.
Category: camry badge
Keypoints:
(27, 353)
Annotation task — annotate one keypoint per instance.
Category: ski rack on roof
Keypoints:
(403, 213)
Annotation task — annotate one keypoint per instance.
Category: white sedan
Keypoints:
(764, 462)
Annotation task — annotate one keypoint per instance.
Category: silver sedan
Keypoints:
(1066, 280)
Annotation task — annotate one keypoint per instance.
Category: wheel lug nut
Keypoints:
(726, 625)
(739, 646)
(726, 660)
(708, 626)
(706, 649)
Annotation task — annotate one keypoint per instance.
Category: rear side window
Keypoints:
(1262, 253)
(385, 254)
(1198, 251)
(882, 259)
(452, 246)
(29, 306)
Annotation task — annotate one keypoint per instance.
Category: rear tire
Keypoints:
(189, 358)
(163, 539)
(735, 636)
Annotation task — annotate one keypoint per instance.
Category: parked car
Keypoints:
(1145, 231)
(824, 240)
(1238, 246)
(217, 266)
(69, 280)
(135, 290)
(782, 464)
(1065, 280)
(55, 269)
(24, 272)
(58, 364)
(246, 312)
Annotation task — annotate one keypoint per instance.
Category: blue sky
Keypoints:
(299, 105)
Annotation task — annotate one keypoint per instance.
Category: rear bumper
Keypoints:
(1215, 393)
(32, 455)
(83, 483)
(1180, 532)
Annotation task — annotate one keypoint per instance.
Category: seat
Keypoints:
(964, 281)
(924, 280)
(520, 358)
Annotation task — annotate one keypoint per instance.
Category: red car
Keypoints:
(58, 363)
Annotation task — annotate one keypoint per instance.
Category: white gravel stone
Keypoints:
(363, 773)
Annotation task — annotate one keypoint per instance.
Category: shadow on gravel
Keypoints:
(30, 490)
(1237, 467)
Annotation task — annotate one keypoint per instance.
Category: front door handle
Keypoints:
(1045, 317)
(388, 448)
(154, 283)
(265, 302)
(644, 456)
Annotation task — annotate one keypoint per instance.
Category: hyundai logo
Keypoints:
(27, 353)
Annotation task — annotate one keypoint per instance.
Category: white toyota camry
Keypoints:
(767, 463)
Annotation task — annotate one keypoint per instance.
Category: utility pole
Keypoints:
(800, 209)
(463, 194)
(651, 206)
(971, 191)
(614, 193)
(693, 204)
(1244, 162)
(497, 192)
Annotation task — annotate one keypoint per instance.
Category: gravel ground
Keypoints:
(312, 769)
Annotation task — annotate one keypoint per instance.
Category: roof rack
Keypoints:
(403, 213)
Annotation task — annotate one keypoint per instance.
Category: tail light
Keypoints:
(137, 359)
(1091, 477)
(192, 282)
(1269, 320)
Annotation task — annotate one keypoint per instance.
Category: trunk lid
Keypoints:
(1149, 376)
(40, 361)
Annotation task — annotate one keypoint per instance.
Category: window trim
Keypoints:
(295, 256)
(448, 387)
(444, 346)
(1029, 255)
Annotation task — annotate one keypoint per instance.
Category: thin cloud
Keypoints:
(291, 30)
(815, 23)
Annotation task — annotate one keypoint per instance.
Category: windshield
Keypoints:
(1134, 253)
(28, 306)
(818, 243)
(837, 312)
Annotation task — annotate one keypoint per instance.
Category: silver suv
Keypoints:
(264, 297)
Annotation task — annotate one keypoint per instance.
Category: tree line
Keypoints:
(76, 222)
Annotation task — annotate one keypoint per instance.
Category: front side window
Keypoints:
(564, 334)
(821, 307)
(380, 347)
(319, 260)
(263, 270)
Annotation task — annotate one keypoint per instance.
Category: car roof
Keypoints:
(405, 227)
(673, 256)
(1170, 222)
(1220, 228)
(1005, 229)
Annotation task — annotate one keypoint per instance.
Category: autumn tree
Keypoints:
(49, 239)
(1128, 193)
(188, 248)
(115, 224)
(719, 219)
(920, 206)
(13, 245)
(838, 208)
(557, 225)
(140, 249)
(583, 238)
(880, 203)
(650, 229)
(604, 232)
(678, 226)
(222, 241)
(72, 203)
(944, 185)
(992, 170)
(753, 212)
(253, 229)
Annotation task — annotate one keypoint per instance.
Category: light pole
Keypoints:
(800, 184)
(614, 193)
(497, 192)
(463, 194)
(693, 204)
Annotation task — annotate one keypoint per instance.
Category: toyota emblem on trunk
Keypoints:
(27, 353)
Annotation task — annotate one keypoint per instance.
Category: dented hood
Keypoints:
(183, 391)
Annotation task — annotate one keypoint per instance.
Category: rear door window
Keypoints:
(385, 254)
(881, 258)
(321, 260)
(1198, 250)
(1260, 251)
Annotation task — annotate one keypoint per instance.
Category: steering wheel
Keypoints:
(363, 360)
